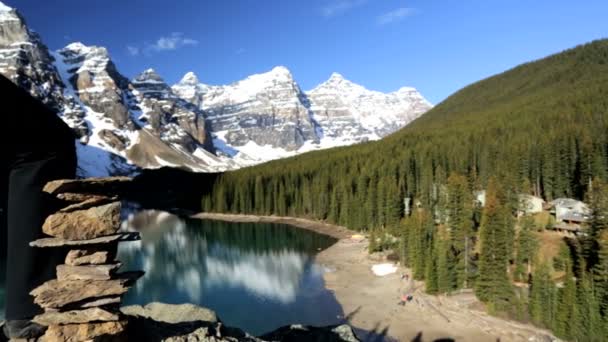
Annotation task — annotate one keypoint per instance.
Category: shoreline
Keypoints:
(369, 302)
(334, 231)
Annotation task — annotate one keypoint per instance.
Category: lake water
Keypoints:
(255, 276)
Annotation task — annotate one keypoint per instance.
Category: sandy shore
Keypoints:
(370, 302)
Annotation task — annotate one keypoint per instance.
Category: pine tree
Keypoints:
(431, 278)
(460, 221)
(542, 296)
(591, 325)
(598, 203)
(446, 277)
(567, 310)
(527, 245)
(373, 241)
(419, 241)
(493, 285)
(600, 273)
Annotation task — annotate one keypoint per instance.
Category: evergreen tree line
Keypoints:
(539, 129)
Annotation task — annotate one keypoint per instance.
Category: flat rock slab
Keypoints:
(87, 272)
(84, 224)
(55, 294)
(76, 316)
(98, 186)
(78, 257)
(94, 201)
(171, 313)
(82, 332)
(60, 242)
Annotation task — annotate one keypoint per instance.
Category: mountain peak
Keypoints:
(148, 76)
(189, 78)
(8, 13)
(336, 76)
(406, 90)
(281, 70)
(77, 47)
(4, 8)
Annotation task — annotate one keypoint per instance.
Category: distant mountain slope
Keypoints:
(543, 126)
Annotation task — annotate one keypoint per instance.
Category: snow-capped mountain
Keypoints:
(346, 110)
(124, 125)
(266, 109)
(267, 116)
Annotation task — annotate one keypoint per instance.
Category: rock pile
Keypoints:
(83, 302)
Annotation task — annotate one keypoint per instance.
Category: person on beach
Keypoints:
(36, 147)
(403, 300)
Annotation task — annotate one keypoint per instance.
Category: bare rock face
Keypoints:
(55, 294)
(87, 272)
(76, 316)
(267, 109)
(84, 224)
(94, 78)
(84, 332)
(25, 60)
(78, 257)
(347, 110)
(169, 117)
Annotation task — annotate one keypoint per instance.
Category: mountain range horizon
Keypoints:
(127, 124)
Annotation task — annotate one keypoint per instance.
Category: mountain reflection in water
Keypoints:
(256, 276)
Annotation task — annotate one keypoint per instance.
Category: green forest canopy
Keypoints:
(542, 126)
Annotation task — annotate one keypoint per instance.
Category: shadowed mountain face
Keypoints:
(256, 268)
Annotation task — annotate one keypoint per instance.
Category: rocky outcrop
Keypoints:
(266, 109)
(297, 332)
(97, 83)
(99, 221)
(26, 61)
(83, 302)
(186, 322)
(169, 117)
(346, 110)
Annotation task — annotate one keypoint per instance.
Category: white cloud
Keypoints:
(337, 7)
(174, 41)
(394, 15)
(132, 50)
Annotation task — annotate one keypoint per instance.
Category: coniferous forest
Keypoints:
(540, 128)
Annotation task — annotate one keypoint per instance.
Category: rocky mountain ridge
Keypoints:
(124, 124)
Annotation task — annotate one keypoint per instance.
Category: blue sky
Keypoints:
(435, 46)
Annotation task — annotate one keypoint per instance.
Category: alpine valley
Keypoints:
(124, 125)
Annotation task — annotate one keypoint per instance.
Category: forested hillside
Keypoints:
(540, 128)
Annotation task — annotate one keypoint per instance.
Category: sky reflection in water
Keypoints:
(255, 276)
